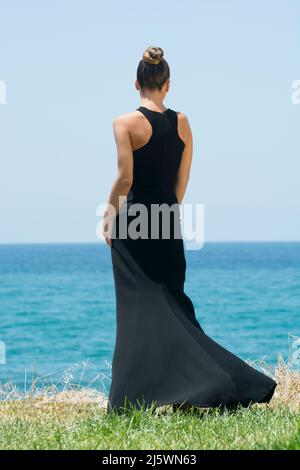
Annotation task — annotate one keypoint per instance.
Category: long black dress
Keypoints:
(162, 356)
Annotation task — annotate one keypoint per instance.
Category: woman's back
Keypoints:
(156, 163)
(155, 167)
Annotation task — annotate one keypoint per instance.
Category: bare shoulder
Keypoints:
(126, 118)
(183, 119)
(124, 126)
(184, 128)
(125, 122)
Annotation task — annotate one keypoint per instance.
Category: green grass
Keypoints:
(45, 417)
(33, 425)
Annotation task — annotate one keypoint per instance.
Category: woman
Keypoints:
(162, 355)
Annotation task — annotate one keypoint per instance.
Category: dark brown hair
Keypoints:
(153, 70)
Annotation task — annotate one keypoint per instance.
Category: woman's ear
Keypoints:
(136, 84)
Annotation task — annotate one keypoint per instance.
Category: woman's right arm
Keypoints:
(183, 174)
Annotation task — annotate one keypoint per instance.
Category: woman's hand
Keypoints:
(106, 228)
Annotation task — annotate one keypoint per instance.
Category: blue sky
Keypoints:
(69, 69)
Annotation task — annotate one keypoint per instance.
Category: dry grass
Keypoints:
(287, 392)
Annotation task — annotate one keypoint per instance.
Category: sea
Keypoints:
(58, 320)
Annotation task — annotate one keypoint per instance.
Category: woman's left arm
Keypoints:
(123, 182)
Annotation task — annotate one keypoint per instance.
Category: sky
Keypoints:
(69, 68)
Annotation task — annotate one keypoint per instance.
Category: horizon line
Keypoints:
(102, 242)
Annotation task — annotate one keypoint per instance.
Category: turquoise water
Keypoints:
(57, 305)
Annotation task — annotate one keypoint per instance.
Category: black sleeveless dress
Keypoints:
(162, 356)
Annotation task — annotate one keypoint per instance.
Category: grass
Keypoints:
(76, 418)
(33, 425)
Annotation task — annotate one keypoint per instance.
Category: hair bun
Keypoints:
(153, 55)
